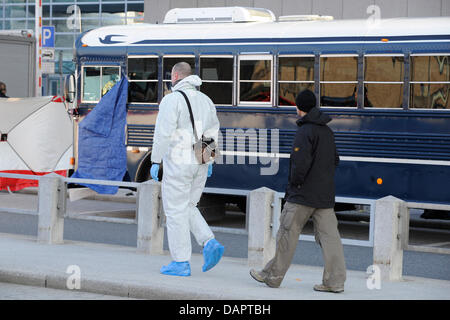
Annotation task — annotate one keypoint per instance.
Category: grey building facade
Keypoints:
(154, 10)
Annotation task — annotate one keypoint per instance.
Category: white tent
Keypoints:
(36, 135)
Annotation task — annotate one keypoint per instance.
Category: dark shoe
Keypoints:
(260, 277)
(323, 288)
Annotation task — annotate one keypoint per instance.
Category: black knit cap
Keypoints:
(306, 100)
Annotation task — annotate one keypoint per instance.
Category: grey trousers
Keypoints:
(293, 219)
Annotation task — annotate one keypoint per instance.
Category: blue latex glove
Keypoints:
(210, 170)
(154, 171)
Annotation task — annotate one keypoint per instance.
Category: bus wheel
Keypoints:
(143, 171)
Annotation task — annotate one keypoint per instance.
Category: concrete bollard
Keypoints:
(261, 243)
(51, 208)
(150, 234)
(390, 232)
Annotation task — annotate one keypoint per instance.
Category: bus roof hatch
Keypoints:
(305, 17)
(218, 14)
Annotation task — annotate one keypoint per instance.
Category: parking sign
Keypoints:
(48, 37)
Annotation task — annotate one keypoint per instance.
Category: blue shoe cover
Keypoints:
(212, 253)
(182, 269)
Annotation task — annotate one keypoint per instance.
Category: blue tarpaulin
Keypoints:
(101, 140)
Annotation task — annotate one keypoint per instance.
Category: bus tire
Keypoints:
(143, 171)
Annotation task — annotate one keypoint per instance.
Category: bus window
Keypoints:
(217, 79)
(430, 82)
(97, 81)
(295, 74)
(110, 75)
(168, 63)
(338, 81)
(143, 79)
(255, 79)
(383, 81)
(91, 84)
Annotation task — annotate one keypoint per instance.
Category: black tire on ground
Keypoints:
(143, 171)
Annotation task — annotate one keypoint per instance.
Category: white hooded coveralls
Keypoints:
(183, 177)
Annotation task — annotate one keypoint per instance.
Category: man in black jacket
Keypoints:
(3, 90)
(310, 193)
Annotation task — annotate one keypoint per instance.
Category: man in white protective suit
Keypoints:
(184, 177)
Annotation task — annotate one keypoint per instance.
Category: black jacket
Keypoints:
(313, 161)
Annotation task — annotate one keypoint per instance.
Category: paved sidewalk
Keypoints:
(121, 271)
(11, 291)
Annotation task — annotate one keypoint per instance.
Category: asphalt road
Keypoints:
(420, 264)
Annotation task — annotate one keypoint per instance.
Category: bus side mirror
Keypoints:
(69, 88)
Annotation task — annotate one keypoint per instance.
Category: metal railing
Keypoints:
(276, 212)
(388, 228)
(52, 200)
(429, 249)
(19, 176)
(66, 181)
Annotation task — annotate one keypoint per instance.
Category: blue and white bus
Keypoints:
(385, 83)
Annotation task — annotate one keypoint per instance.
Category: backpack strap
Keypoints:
(190, 113)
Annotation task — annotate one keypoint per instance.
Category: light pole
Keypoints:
(38, 37)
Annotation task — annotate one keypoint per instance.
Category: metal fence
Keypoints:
(54, 198)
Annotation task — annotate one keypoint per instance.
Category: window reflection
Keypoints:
(143, 92)
(255, 70)
(430, 77)
(338, 81)
(384, 69)
(64, 40)
(143, 68)
(255, 77)
(91, 84)
(430, 96)
(113, 8)
(16, 12)
(219, 93)
(383, 81)
(338, 94)
(216, 68)
(296, 68)
(254, 92)
(217, 79)
(97, 81)
(289, 91)
(15, 24)
(338, 68)
(430, 68)
(143, 77)
(168, 63)
(383, 95)
(295, 74)
(110, 75)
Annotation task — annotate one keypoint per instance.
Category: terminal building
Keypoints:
(19, 14)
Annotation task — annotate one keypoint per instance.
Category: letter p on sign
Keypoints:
(48, 37)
